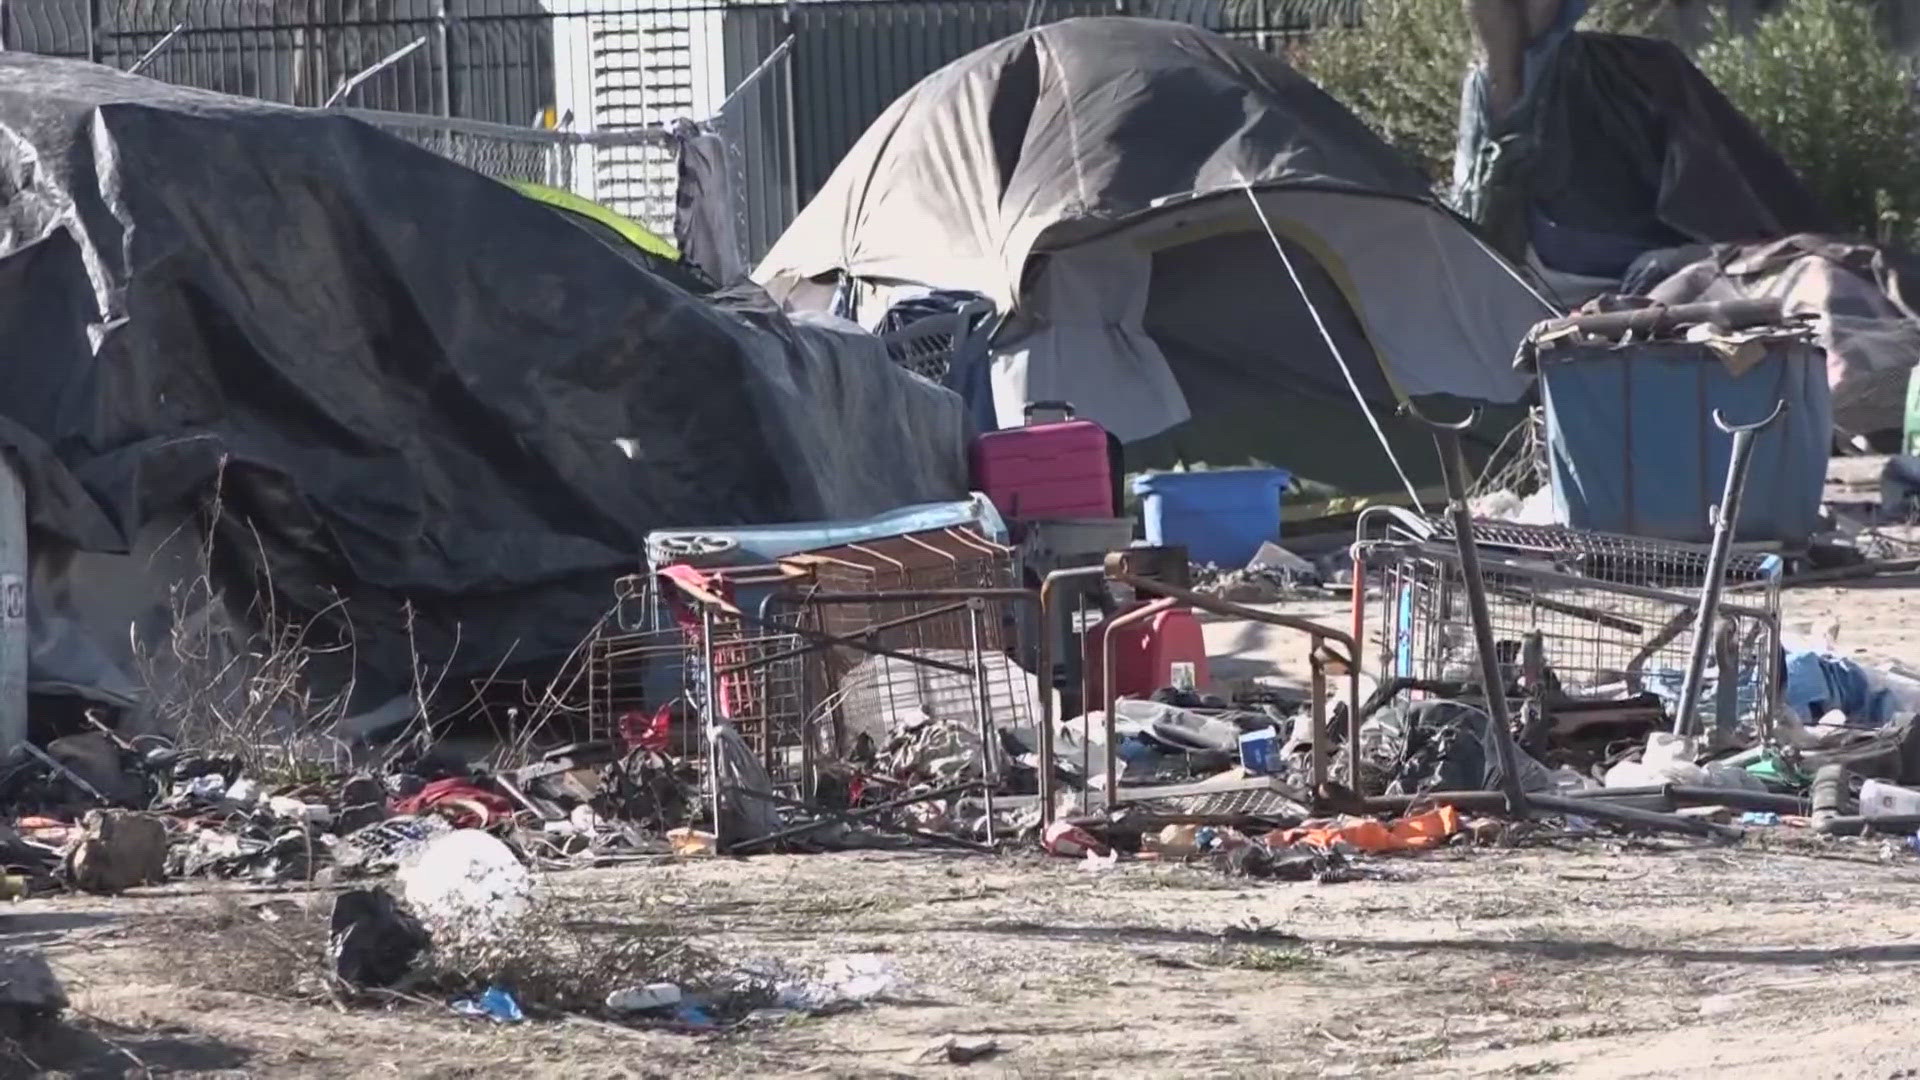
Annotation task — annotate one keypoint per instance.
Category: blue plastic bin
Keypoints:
(1632, 446)
(1220, 516)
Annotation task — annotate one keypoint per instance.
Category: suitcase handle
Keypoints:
(1065, 408)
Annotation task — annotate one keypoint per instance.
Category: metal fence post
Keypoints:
(441, 20)
(792, 125)
(14, 573)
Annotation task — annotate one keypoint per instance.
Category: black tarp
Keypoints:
(1620, 145)
(417, 387)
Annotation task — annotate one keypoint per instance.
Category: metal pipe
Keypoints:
(713, 722)
(1049, 625)
(15, 581)
(1452, 464)
(1695, 795)
(851, 817)
(146, 58)
(1725, 519)
(1358, 614)
(1601, 810)
(1855, 824)
(376, 68)
(1317, 706)
(1108, 696)
(923, 596)
(1595, 809)
(983, 708)
(1353, 719)
(1484, 801)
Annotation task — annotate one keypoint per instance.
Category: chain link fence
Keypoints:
(558, 159)
(582, 95)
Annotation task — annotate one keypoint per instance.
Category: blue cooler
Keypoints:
(1220, 516)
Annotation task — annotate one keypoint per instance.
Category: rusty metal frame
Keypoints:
(952, 599)
(1320, 658)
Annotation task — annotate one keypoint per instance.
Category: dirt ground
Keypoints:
(1591, 959)
(1583, 957)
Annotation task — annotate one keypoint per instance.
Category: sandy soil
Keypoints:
(1582, 958)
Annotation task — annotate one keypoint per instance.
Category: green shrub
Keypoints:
(1817, 78)
(1400, 71)
(1821, 83)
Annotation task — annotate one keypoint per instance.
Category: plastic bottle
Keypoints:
(1881, 799)
(646, 998)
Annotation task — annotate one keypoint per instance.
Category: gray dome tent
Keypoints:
(1097, 179)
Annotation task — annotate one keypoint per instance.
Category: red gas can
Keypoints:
(1047, 471)
(1145, 653)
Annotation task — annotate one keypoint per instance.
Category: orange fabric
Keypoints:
(1415, 833)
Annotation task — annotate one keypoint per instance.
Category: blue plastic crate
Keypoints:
(1220, 516)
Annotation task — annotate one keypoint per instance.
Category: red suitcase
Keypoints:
(1050, 471)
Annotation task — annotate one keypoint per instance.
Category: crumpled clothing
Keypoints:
(465, 805)
(653, 734)
(1817, 683)
(1415, 832)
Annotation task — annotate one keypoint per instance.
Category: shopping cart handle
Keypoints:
(1720, 421)
(1472, 418)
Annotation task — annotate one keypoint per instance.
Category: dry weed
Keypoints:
(553, 964)
(236, 682)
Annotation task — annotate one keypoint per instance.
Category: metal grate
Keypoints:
(1608, 557)
(1260, 801)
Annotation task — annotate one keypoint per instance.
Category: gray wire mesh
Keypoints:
(1611, 616)
(633, 173)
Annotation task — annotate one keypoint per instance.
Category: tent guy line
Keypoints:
(1332, 346)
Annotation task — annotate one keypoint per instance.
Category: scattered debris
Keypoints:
(372, 940)
(653, 997)
(467, 885)
(843, 983)
(957, 1050)
(117, 850)
(497, 1004)
(29, 992)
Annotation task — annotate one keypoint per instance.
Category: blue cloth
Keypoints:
(1667, 682)
(1818, 683)
(1474, 121)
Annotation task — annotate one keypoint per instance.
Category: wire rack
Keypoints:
(926, 659)
(762, 688)
(1595, 617)
(1608, 557)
